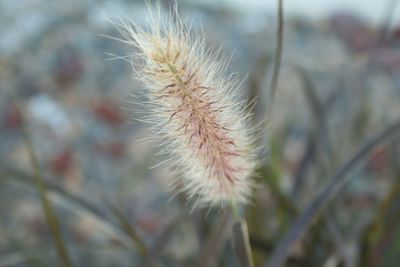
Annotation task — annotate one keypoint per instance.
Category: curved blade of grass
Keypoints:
(49, 212)
(79, 204)
(137, 240)
(336, 183)
(32, 256)
(165, 235)
(319, 147)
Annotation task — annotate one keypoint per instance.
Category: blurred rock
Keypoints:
(358, 36)
(108, 112)
(68, 67)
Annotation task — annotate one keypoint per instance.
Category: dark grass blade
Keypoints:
(336, 183)
(324, 151)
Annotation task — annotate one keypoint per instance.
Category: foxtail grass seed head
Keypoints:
(203, 128)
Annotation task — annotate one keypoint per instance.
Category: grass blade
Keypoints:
(210, 255)
(79, 205)
(337, 182)
(49, 212)
(137, 240)
(242, 244)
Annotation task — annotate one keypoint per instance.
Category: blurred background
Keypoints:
(339, 85)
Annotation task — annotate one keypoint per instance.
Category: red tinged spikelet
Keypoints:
(194, 111)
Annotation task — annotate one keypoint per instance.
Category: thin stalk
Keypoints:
(241, 238)
(212, 250)
(49, 212)
(277, 59)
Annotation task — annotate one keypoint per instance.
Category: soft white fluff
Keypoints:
(194, 111)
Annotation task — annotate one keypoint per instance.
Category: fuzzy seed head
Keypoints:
(194, 111)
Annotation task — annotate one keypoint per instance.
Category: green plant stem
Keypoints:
(49, 212)
(241, 238)
(212, 250)
(277, 59)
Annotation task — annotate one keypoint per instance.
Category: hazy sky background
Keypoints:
(372, 10)
(27, 20)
